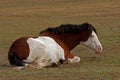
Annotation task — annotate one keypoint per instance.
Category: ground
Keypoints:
(28, 17)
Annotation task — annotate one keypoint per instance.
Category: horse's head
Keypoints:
(93, 42)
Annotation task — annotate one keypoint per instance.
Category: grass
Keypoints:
(28, 17)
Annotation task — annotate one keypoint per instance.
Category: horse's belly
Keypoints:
(44, 48)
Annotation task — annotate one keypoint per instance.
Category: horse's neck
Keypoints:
(71, 40)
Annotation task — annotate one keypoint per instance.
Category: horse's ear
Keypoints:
(88, 26)
(89, 29)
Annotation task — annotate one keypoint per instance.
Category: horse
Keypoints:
(53, 46)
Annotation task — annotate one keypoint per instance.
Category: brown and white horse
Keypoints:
(53, 46)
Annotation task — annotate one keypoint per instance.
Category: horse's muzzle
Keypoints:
(99, 49)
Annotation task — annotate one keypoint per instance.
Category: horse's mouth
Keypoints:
(98, 50)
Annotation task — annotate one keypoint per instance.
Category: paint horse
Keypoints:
(53, 46)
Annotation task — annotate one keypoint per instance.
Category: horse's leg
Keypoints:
(74, 60)
(36, 64)
(40, 63)
(71, 58)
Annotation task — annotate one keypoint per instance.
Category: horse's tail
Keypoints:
(14, 60)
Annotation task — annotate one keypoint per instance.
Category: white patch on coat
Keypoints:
(74, 60)
(93, 43)
(44, 51)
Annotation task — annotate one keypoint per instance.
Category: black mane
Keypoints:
(70, 28)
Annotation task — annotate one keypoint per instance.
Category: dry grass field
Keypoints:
(28, 17)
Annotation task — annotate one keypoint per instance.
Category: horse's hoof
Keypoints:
(74, 60)
(61, 61)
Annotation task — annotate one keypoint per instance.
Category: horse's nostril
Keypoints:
(99, 48)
